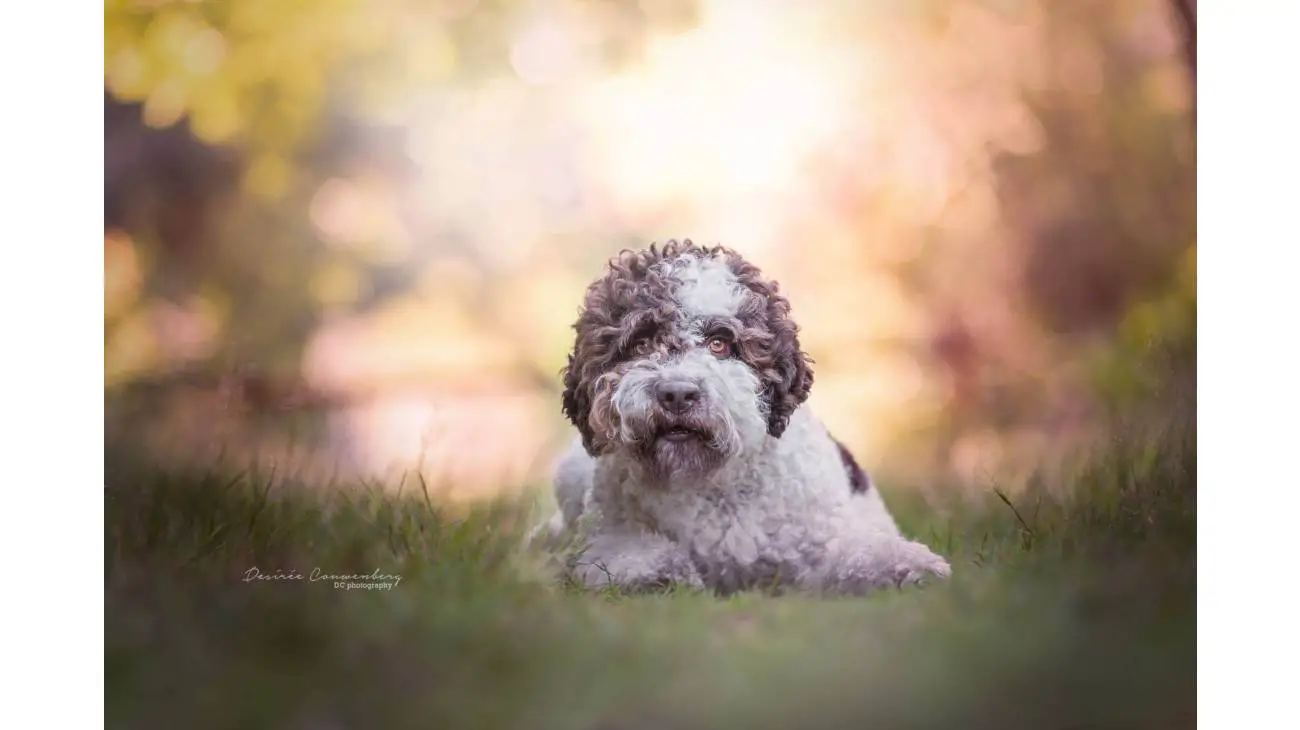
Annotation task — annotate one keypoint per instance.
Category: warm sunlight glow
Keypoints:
(727, 109)
(707, 135)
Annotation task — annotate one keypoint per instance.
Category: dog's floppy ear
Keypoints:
(774, 351)
(576, 402)
(791, 364)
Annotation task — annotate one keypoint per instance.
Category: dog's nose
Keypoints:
(677, 396)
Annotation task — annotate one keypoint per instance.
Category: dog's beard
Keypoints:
(677, 448)
(668, 447)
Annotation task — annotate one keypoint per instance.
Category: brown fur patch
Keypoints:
(859, 482)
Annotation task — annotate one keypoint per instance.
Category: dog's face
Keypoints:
(685, 358)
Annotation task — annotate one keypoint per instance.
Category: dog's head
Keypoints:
(685, 358)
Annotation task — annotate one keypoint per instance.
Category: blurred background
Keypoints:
(350, 237)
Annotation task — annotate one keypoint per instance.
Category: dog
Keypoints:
(697, 462)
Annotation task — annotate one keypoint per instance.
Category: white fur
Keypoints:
(783, 517)
(708, 286)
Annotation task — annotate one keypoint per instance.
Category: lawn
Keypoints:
(1072, 606)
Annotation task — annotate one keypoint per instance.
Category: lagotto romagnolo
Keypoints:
(697, 461)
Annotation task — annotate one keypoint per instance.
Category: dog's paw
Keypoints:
(916, 564)
(600, 578)
(663, 583)
(894, 564)
(653, 573)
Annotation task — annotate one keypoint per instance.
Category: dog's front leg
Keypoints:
(633, 561)
(861, 565)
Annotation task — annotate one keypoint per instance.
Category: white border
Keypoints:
(50, 61)
(51, 65)
(1249, 160)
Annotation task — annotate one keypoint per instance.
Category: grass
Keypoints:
(1072, 606)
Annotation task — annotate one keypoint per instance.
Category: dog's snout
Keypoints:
(677, 396)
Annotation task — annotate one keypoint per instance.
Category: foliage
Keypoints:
(261, 74)
(964, 201)
(297, 92)
(1155, 351)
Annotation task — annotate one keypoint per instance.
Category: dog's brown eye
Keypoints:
(719, 346)
(642, 347)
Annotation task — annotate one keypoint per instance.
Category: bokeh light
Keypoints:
(979, 210)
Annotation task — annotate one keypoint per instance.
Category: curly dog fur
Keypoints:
(697, 461)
